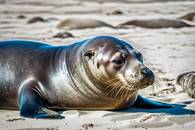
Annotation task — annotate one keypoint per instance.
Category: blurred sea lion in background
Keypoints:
(187, 81)
(78, 23)
(157, 23)
(188, 16)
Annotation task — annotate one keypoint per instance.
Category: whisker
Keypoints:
(114, 87)
(156, 85)
(117, 88)
(111, 85)
(129, 93)
(125, 92)
(111, 80)
(118, 91)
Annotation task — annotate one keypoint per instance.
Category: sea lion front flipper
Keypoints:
(150, 104)
(47, 113)
(31, 101)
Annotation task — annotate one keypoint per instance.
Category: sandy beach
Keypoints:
(167, 51)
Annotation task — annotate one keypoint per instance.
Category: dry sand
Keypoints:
(167, 51)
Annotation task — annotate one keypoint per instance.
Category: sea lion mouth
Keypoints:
(139, 85)
(121, 87)
(135, 83)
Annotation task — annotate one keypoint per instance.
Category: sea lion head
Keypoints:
(113, 62)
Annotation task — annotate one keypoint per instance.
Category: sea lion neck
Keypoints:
(76, 72)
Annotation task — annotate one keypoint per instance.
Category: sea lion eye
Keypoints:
(119, 60)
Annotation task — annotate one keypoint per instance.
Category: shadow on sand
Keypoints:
(176, 110)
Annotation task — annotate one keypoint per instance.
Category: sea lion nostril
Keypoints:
(145, 71)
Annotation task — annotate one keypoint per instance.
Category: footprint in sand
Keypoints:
(63, 35)
(115, 12)
(126, 117)
(56, 128)
(36, 19)
(182, 119)
(156, 124)
(15, 119)
(146, 121)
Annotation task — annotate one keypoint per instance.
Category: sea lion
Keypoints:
(115, 12)
(157, 23)
(99, 73)
(188, 16)
(78, 23)
(63, 35)
(187, 81)
(36, 19)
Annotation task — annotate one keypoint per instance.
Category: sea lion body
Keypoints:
(39, 79)
(158, 23)
(187, 81)
(20, 61)
(188, 16)
(77, 23)
(25, 60)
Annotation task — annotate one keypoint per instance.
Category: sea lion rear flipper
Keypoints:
(150, 104)
(31, 101)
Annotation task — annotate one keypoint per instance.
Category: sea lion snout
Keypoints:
(141, 76)
(148, 75)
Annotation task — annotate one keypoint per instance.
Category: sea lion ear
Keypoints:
(89, 53)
